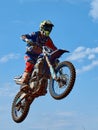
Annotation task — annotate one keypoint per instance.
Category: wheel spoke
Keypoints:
(64, 78)
(66, 75)
(20, 108)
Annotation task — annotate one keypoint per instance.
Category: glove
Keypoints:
(30, 48)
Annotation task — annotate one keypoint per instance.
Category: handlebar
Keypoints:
(45, 49)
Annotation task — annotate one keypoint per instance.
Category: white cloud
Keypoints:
(8, 90)
(77, 54)
(88, 56)
(57, 120)
(88, 67)
(65, 114)
(92, 56)
(94, 9)
(81, 52)
(8, 57)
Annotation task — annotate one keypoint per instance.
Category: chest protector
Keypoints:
(38, 41)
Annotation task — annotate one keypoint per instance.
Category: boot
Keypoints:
(24, 78)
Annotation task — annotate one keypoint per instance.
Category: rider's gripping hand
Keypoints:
(24, 38)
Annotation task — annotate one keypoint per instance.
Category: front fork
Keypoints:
(52, 71)
(20, 98)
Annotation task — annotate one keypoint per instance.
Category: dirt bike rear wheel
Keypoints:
(20, 110)
(67, 74)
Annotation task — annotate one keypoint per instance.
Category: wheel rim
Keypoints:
(64, 74)
(19, 109)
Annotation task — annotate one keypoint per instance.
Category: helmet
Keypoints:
(46, 27)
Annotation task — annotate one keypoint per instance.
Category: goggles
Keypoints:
(47, 28)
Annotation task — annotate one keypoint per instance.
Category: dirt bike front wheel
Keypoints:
(66, 73)
(20, 108)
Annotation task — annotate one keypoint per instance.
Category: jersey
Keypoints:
(36, 37)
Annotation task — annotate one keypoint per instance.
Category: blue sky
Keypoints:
(76, 29)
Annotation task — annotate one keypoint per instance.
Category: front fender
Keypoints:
(57, 53)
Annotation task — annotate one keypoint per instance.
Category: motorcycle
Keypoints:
(49, 73)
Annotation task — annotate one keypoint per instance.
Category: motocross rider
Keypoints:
(39, 38)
